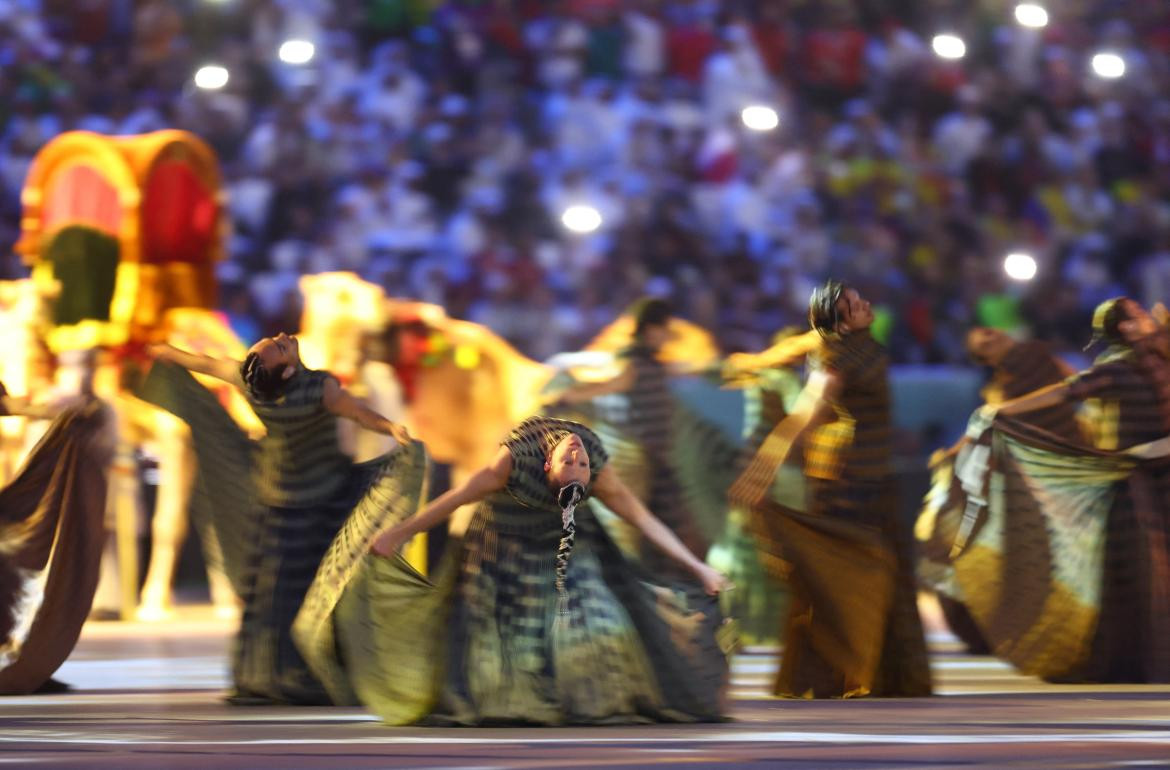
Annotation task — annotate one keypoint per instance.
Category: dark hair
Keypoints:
(650, 312)
(263, 384)
(823, 315)
(567, 498)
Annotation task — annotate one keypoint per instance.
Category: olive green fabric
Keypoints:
(486, 639)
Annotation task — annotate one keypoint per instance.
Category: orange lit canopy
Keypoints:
(121, 229)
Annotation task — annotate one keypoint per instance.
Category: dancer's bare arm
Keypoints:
(342, 403)
(610, 490)
(1037, 399)
(813, 407)
(591, 390)
(221, 368)
(488, 479)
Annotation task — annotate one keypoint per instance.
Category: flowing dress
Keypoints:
(1067, 567)
(52, 530)
(1027, 366)
(275, 507)
(835, 536)
(489, 639)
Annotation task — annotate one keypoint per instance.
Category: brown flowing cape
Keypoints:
(52, 529)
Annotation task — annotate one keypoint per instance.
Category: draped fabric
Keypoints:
(1027, 367)
(52, 529)
(835, 537)
(486, 639)
(1060, 553)
(273, 553)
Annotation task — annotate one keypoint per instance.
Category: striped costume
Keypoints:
(1067, 568)
(488, 640)
(852, 627)
(276, 508)
(1026, 367)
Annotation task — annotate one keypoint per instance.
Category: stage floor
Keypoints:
(149, 695)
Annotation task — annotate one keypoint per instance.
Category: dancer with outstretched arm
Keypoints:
(276, 515)
(536, 617)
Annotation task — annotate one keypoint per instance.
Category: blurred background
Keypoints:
(535, 166)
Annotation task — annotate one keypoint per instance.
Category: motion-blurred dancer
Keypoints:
(535, 617)
(276, 525)
(1016, 368)
(1068, 568)
(853, 627)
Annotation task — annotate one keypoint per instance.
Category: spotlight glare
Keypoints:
(1108, 65)
(211, 77)
(1031, 15)
(1019, 267)
(949, 46)
(758, 117)
(296, 51)
(581, 219)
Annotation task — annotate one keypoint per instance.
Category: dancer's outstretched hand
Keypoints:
(713, 580)
(400, 434)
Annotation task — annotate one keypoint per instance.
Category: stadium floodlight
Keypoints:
(759, 117)
(581, 218)
(1031, 15)
(1108, 65)
(1019, 266)
(948, 46)
(296, 51)
(211, 77)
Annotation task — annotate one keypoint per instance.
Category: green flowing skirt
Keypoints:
(488, 640)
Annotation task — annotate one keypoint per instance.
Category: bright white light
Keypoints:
(1019, 267)
(949, 46)
(1031, 15)
(581, 219)
(211, 77)
(296, 51)
(759, 118)
(1108, 65)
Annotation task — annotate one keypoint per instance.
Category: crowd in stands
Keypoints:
(433, 147)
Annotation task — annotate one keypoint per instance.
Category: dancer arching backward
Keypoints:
(853, 627)
(1017, 368)
(277, 522)
(535, 618)
(1067, 567)
(52, 530)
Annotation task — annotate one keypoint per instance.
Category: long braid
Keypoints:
(568, 498)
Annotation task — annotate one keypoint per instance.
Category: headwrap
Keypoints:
(570, 495)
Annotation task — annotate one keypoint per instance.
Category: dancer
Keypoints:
(853, 627)
(1017, 368)
(52, 531)
(652, 424)
(275, 526)
(1089, 597)
(535, 618)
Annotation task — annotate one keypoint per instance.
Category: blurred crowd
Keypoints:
(433, 147)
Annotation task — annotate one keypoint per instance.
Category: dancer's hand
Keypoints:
(386, 545)
(713, 580)
(400, 434)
